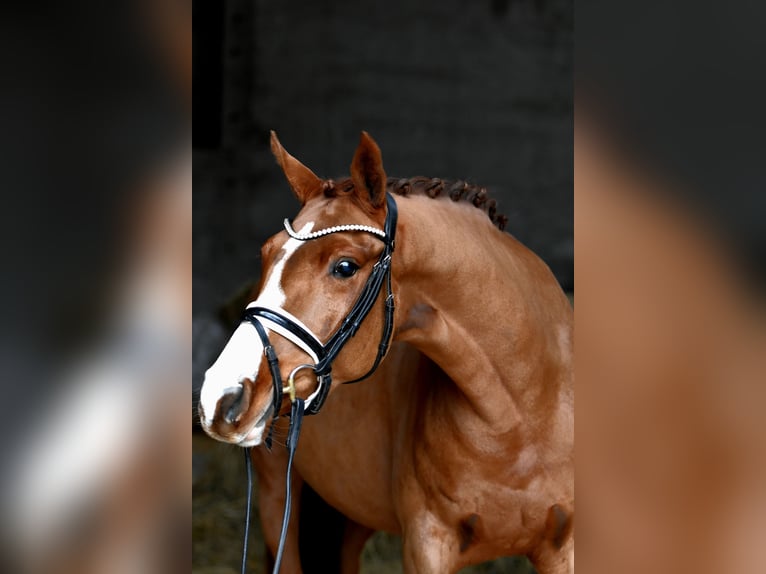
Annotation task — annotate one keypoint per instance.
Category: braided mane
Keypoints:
(432, 187)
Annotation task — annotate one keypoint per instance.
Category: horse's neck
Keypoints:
(485, 309)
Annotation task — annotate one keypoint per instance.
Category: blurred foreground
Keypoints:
(95, 299)
(670, 363)
(96, 485)
(670, 251)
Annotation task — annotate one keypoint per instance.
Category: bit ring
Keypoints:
(290, 388)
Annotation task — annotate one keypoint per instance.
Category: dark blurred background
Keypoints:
(454, 89)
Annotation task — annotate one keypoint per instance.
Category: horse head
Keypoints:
(314, 275)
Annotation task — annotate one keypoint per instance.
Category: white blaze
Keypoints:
(272, 294)
(241, 358)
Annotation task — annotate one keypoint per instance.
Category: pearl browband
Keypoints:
(327, 231)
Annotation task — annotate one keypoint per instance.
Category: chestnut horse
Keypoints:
(462, 440)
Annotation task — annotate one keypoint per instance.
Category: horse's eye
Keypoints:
(345, 268)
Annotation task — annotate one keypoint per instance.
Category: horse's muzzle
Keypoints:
(237, 417)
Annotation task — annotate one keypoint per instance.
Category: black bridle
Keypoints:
(325, 353)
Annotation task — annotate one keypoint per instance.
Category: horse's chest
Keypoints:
(345, 455)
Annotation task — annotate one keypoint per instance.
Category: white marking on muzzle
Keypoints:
(242, 356)
(239, 360)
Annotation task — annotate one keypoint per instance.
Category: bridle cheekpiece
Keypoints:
(323, 354)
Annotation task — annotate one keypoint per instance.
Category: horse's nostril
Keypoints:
(232, 405)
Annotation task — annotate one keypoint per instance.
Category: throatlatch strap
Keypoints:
(388, 331)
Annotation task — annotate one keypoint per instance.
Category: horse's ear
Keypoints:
(302, 180)
(367, 172)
